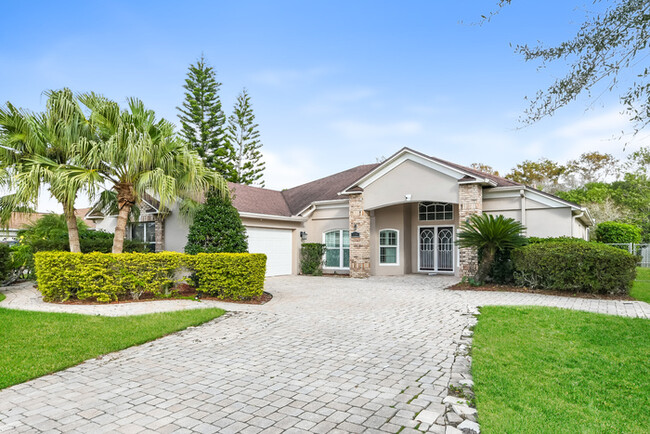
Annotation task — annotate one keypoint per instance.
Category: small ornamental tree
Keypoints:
(216, 228)
(489, 235)
(615, 232)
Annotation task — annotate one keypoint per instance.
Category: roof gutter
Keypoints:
(252, 215)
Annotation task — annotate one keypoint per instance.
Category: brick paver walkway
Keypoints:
(326, 355)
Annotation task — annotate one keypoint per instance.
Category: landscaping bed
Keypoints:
(556, 370)
(181, 292)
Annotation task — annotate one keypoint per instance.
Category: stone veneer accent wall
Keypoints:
(470, 201)
(160, 228)
(359, 247)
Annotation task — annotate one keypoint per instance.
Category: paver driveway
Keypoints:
(326, 355)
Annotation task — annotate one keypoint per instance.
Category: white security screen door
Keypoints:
(436, 248)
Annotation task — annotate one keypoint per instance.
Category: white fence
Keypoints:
(641, 250)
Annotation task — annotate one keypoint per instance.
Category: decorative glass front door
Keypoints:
(436, 248)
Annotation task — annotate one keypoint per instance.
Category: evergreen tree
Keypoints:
(202, 117)
(216, 228)
(244, 139)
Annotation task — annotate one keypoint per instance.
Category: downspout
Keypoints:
(573, 222)
(522, 194)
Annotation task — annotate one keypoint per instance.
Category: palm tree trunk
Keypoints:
(125, 201)
(73, 229)
(487, 258)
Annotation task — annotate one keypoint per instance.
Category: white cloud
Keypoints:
(287, 77)
(366, 130)
(289, 168)
(335, 101)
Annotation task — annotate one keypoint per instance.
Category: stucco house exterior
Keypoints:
(397, 217)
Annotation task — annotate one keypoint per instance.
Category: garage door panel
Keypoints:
(276, 245)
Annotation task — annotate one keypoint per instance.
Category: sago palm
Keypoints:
(43, 149)
(488, 234)
(140, 155)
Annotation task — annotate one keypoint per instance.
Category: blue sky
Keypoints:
(333, 84)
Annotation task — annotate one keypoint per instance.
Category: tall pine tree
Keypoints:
(202, 117)
(244, 139)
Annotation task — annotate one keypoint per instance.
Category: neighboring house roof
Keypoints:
(19, 220)
(81, 213)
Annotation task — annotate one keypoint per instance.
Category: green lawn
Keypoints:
(641, 288)
(539, 369)
(38, 343)
(2, 296)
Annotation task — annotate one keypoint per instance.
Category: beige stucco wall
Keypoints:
(323, 220)
(392, 217)
(410, 178)
(548, 222)
(176, 230)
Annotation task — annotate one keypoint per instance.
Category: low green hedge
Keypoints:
(311, 258)
(229, 275)
(108, 277)
(574, 266)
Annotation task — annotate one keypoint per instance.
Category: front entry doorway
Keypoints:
(436, 249)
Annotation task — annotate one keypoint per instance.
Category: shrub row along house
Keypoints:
(395, 217)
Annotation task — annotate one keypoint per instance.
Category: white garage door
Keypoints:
(276, 244)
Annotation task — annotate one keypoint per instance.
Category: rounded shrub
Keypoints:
(615, 232)
(216, 228)
(575, 266)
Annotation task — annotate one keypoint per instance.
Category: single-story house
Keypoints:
(396, 217)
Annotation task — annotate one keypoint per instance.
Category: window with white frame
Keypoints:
(388, 243)
(144, 232)
(436, 211)
(337, 249)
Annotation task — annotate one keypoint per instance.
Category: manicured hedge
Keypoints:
(575, 266)
(236, 276)
(311, 258)
(106, 277)
(615, 232)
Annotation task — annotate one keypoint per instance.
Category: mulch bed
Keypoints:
(185, 292)
(510, 288)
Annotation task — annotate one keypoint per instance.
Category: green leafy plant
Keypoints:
(311, 258)
(537, 240)
(615, 232)
(237, 276)
(216, 228)
(575, 266)
(6, 263)
(488, 234)
(106, 277)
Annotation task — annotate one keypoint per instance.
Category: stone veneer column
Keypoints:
(359, 247)
(470, 201)
(160, 234)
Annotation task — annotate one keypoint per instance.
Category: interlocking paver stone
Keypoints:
(325, 355)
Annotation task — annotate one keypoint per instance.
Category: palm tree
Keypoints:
(42, 149)
(140, 155)
(489, 234)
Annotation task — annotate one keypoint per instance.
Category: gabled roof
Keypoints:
(465, 174)
(328, 188)
(295, 200)
(258, 200)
